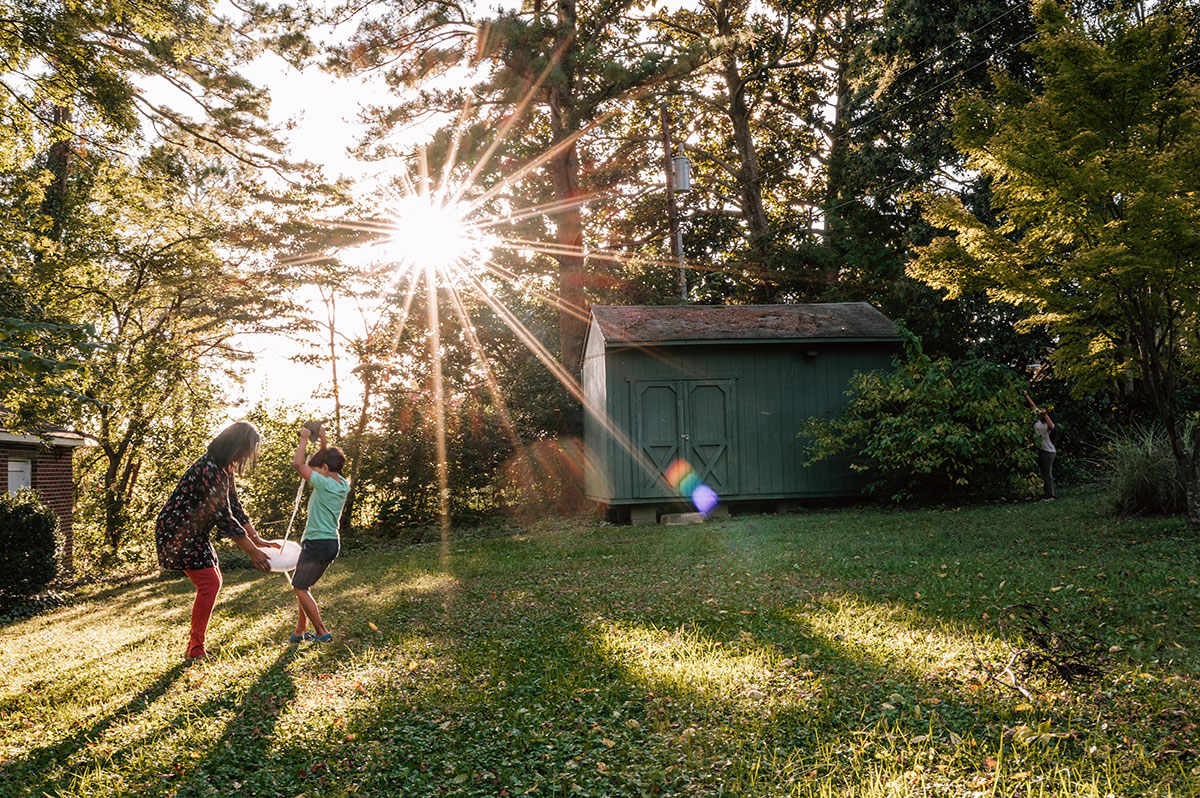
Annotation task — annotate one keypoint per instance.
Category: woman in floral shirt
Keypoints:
(205, 499)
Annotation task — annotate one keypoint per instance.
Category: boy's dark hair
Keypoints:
(237, 443)
(332, 456)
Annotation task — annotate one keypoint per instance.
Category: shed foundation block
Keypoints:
(641, 515)
(679, 519)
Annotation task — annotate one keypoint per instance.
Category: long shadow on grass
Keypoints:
(547, 680)
(39, 770)
(542, 666)
(242, 752)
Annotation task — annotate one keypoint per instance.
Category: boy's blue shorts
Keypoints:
(315, 556)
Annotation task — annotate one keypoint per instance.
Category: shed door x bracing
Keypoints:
(689, 419)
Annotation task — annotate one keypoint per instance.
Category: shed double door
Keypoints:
(683, 419)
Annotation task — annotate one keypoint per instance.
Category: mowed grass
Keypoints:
(840, 653)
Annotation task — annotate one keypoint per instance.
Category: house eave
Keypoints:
(740, 341)
(37, 440)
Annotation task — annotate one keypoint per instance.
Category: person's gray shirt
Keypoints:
(1043, 429)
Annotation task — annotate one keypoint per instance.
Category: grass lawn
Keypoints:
(841, 653)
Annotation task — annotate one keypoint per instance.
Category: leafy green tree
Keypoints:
(38, 354)
(164, 298)
(131, 224)
(268, 489)
(899, 66)
(1097, 201)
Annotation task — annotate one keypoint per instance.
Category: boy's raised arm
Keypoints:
(299, 462)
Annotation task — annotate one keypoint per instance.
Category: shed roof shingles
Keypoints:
(643, 324)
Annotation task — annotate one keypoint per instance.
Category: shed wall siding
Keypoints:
(777, 388)
(597, 459)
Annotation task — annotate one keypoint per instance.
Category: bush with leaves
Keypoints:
(267, 489)
(933, 429)
(28, 548)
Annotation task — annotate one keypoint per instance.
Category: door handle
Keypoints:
(684, 437)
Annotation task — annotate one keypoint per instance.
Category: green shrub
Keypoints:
(28, 549)
(934, 429)
(1143, 477)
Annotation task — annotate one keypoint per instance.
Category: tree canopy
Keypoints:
(1096, 194)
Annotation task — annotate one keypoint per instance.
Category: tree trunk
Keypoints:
(838, 134)
(749, 177)
(118, 481)
(564, 170)
(58, 162)
(569, 221)
(331, 314)
(1192, 488)
(355, 449)
(836, 167)
(1159, 374)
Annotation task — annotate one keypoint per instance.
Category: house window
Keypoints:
(20, 474)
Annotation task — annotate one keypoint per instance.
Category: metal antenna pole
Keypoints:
(676, 235)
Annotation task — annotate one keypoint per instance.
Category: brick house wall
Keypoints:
(53, 477)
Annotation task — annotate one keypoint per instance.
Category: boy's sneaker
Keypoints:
(325, 638)
(297, 638)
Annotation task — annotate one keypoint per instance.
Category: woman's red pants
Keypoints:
(208, 584)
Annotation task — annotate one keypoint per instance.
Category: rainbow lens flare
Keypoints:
(686, 482)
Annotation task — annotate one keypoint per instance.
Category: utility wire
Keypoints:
(1183, 66)
(945, 82)
(952, 44)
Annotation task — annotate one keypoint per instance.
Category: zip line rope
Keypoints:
(295, 509)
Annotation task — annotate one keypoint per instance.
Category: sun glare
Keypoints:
(426, 234)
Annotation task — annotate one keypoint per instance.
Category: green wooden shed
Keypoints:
(725, 390)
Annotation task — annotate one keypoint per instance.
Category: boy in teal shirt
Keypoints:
(320, 543)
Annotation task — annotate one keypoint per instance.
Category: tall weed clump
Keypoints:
(1143, 477)
(933, 430)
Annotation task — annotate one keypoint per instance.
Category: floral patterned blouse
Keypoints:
(204, 498)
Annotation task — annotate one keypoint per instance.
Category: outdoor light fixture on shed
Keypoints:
(681, 165)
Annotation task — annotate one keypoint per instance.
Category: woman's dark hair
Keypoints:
(333, 457)
(238, 443)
